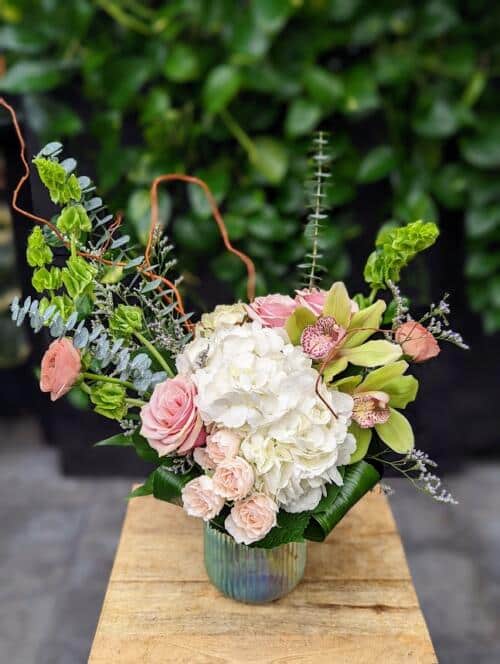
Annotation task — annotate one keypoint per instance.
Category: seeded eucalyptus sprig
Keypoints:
(317, 204)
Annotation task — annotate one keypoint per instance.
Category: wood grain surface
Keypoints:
(356, 603)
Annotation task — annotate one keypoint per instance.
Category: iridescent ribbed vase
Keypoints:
(249, 574)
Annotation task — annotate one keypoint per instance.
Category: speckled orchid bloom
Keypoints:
(320, 339)
(371, 408)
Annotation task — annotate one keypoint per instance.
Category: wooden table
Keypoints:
(356, 603)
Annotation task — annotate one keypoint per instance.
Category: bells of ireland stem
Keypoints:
(73, 221)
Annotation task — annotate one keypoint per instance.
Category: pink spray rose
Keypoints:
(416, 341)
(60, 368)
(313, 299)
(251, 519)
(222, 444)
(200, 500)
(170, 421)
(233, 478)
(272, 310)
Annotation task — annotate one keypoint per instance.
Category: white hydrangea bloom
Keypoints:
(251, 378)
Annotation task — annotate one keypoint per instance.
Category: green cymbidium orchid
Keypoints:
(387, 389)
(358, 327)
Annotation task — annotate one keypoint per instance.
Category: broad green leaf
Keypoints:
(396, 433)
(322, 86)
(358, 480)
(271, 15)
(31, 76)
(369, 318)
(145, 489)
(377, 379)
(372, 353)
(302, 117)
(182, 63)
(290, 528)
(338, 304)
(360, 90)
(377, 164)
(402, 391)
(221, 85)
(168, 486)
(348, 384)
(125, 77)
(483, 148)
(297, 322)
(438, 119)
(119, 440)
(363, 439)
(270, 158)
(480, 221)
(335, 367)
(217, 178)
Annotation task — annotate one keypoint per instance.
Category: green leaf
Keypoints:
(271, 15)
(402, 391)
(182, 63)
(396, 433)
(302, 117)
(372, 353)
(323, 87)
(119, 440)
(217, 178)
(290, 528)
(369, 318)
(377, 379)
(338, 304)
(483, 149)
(270, 158)
(363, 439)
(125, 77)
(27, 76)
(360, 90)
(168, 486)
(145, 489)
(481, 221)
(438, 119)
(358, 480)
(221, 85)
(377, 164)
(297, 322)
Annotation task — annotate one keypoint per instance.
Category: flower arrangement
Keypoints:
(267, 419)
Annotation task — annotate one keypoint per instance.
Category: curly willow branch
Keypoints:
(143, 268)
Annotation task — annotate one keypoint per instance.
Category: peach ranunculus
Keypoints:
(200, 500)
(170, 421)
(222, 444)
(272, 310)
(416, 341)
(251, 519)
(233, 478)
(60, 368)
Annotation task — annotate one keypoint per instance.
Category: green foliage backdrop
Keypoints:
(231, 91)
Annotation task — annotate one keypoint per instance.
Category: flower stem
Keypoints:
(158, 357)
(135, 402)
(108, 379)
(239, 134)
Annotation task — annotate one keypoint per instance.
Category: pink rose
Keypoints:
(271, 310)
(314, 300)
(222, 444)
(201, 457)
(60, 368)
(200, 500)
(170, 421)
(416, 341)
(250, 520)
(233, 478)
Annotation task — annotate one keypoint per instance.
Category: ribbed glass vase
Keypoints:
(249, 574)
